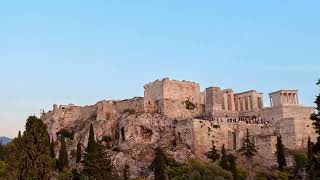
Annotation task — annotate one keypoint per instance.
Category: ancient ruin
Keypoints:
(185, 122)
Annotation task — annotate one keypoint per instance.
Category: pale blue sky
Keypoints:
(84, 51)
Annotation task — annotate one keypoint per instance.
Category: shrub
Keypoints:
(107, 138)
(66, 174)
(242, 174)
(189, 105)
(301, 160)
(282, 175)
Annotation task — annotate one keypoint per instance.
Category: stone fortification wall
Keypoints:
(201, 134)
(173, 98)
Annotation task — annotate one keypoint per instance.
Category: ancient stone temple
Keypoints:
(184, 121)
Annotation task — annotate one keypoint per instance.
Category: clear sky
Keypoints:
(59, 52)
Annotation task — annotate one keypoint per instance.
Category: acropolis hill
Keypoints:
(185, 122)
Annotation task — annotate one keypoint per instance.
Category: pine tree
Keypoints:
(35, 161)
(224, 159)
(159, 164)
(79, 153)
(248, 150)
(63, 155)
(233, 166)
(213, 154)
(126, 174)
(52, 153)
(281, 158)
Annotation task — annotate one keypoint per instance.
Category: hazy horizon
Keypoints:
(83, 52)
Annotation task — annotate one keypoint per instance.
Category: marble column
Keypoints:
(243, 104)
(225, 101)
(249, 103)
(233, 107)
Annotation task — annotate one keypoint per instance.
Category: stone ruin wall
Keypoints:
(294, 123)
(170, 97)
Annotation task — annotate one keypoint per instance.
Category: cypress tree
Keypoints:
(19, 134)
(314, 149)
(159, 164)
(213, 154)
(1, 151)
(52, 153)
(79, 153)
(248, 150)
(63, 155)
(233, 166)
(224, 158)
(91, 148)
(281, 158)
(35, 161)
(126, 174)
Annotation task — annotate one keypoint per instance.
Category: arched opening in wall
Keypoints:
(122, 134)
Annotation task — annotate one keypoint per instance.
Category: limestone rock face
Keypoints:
(135, 136)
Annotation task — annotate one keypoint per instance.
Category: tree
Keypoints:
(52, 153)
(63, 161)
(233, 166)
(281, 158)
(99, 166)
(314, 152)
(213, 154)
(224, 158)
(96, 161)
(79, 153)
(35, 161)
(248, 150)
(158, 165)
(126, 173)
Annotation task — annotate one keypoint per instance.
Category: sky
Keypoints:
(81, 52)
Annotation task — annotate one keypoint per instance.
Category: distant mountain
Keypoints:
(5, 140)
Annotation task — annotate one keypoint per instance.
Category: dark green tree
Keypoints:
(99, 166)
(79, 153)
(1, 151)
(91, 148)
(52, 153)
(126, 173)
(314, 152)
(19, 134)
(281, 158)
(63, 161)
(224, 159)
(35, 161)
(248, 150)
(213, 154)
(233, 166)
(96, 162)
(159, 164)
